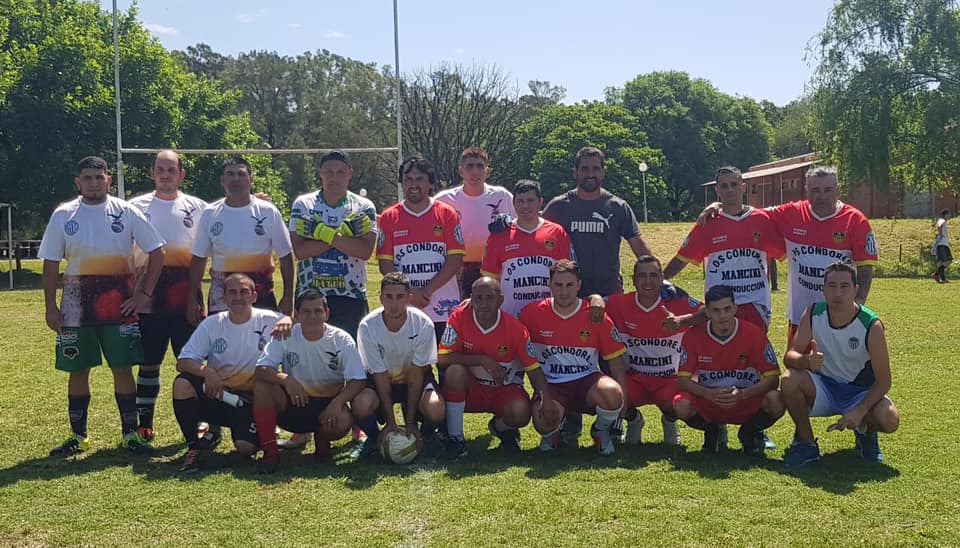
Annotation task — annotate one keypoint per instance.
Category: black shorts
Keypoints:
(469, 272)
(160, 328)
(238, 419)
(943, 254)
(398, 392)
(346, 313)
(302, 420)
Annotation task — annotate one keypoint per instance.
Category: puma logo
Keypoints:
(599, 217)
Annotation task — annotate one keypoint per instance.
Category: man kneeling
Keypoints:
(309, 395)
(484, 354)
(220, 391)
(839, 365)
(728, 375)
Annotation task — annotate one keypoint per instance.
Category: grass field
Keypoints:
(646, 495)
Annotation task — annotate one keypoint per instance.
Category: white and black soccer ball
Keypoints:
(399, 447)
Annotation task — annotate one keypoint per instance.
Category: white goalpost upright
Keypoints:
(120, 150)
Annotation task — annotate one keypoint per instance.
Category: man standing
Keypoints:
(333, 232)
(728, 375)
(478, 204)
(653, 350)
(485, 353)
(422, 238)
(520, 256)
(736, 248)
(96, 233)
(569, 347)
(240, 233)
(838, 364)
(175, 215)
(322, 373)
(941, 247)
(596, 221)
(217, 369)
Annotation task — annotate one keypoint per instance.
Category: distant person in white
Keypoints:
(941, 247)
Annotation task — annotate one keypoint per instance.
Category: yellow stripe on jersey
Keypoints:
(868, 262)
(494, 275)
(616, 354)
(444, 351)
(687, 259)
(532, 367)
(456, 252)
(686, 374)
(385, 257)
(774, 373)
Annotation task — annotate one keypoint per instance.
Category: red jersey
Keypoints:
(813, 243)
(742, 360)
(521, 260)
(569, 348)
(418, 244)
(735, 251)
(651, 350)
(507, 343)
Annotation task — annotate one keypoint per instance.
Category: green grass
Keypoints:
(644, 495)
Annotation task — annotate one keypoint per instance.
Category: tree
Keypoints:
(545, 147)
(790, 127)
(697, 128)
(887, 91)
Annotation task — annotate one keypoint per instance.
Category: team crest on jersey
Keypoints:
(756, 236)
(530, 349)
(742, 358)
(693, 302)
(334, 360)
(769, 354)
(438, 229)
(263, 341)
(502, 350)
(584, 335)
(291, 360)
(381, 239)
(258, 228)
(839, 236)
(458, 234)
(216, 229)
(685, 242)
(445, 306)
(71, 227)
(550, 244)
(615, 333)
(449, 337)
(219, 346)
(117, 224)
(853, 343)
(871, 244)
(187, 216)
(683, 356)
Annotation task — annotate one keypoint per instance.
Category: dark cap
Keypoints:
(335, 155)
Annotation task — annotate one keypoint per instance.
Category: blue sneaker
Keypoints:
(802, 453)
(869, 446)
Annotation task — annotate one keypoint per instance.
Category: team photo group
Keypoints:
(492, 301)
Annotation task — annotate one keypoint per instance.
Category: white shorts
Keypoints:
(834, 397)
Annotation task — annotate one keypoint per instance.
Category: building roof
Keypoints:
(769, 171)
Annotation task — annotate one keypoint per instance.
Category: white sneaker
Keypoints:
(634, 429)
(602, 440)
(296, 442)
(549, 443)
(671, 431)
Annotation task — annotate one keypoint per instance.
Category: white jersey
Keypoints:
(476, 212)
(844, 348)
(321, 366)
(382, 350)
(177, 221)
(97, 242)
(333, 273)
(943, 233)
(241, 239)
(231, 349)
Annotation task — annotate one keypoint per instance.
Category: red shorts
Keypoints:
(573, 395)
(748, 312)
(647, 389)
(483, 398)
(739, 414)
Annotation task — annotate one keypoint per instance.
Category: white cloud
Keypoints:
(459, 51)
(160, 30)
(294, 25)
(335, 35)
(251, 17)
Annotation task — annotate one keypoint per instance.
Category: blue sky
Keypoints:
(755, 48)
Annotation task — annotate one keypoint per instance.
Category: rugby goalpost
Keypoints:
(121, 150)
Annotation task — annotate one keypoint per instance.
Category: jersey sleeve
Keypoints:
(691, 250)
(451, 340)
(385, 238)
(631, 228)
(367, 208)
(565, 244)
(202, 243)
(144, 233)
(610, 343)
(765, 358)
(297, 212)
(508, 206)
(491, 264)
(198, 347)
(369, 350)
(425, 354)
(350, 361)
(272, 354)
(525, 352)
(688, 356)
(864, 242)
(53, 246)
(279, 235)
(774, 243)
(454, 238)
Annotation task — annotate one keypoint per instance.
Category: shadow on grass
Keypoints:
(23, 280)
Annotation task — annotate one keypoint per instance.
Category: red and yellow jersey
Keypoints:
(813, 243)
(735, 252)
(418, 244)
(742, 360)
(507, 342)
(651, 350)
(569, 347)
(521, 260)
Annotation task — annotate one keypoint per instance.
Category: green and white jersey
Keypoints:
(844, 348)
(334, 273)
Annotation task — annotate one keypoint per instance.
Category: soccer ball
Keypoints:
(399, 447)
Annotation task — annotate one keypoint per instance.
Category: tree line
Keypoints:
(882, 105)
